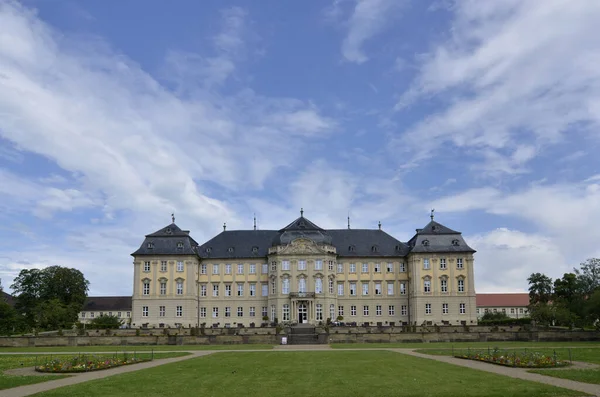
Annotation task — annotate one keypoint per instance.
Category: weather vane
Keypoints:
(432, 211)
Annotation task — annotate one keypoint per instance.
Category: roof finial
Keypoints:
(173, 217)
(379, 224)
(301, 211)
(432, 211)
(255, 221)
(348, 219)
(224, 226)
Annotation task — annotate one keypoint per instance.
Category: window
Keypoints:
(274, 266)
(203, 312)
(353, 310)
(504, 310)
(330, 266)
(273, 287)
(144, 311)
(428, 308)
(340, 289)
(146, 289)
(352, 289)
(179, 266)
(252, 268)
(128, 314)
(391, 310)
(352, 268)
(520, 310)
(180, 288)
(443, 263)
(459, 263)
(444, 285)
(203, 268)
(252, 289)
(82, 314)
(332, 312)
(286, 312)
(240, 289)
(378, 310)
(444, 308)
(377, 268)
(390, 288)
(461, 285)
(285, 265)
(390, 267)
(215, 289)
(264, 311)
(403, 267)
(265, 268)
(318, 285)
(426, 264)
(178, 311)
(319, 264)
(341, 311)
(330, 286)
(240, 311)
(252, 311)
(462, 308)
(285, 286)
(319, 312)
(215, 269)
(179, 244)
(147, 266)
(365, 268)
(365, 288)
(227, 268)
(512, 310)
(150, 245)
(215, 312)
(340, 268)
(227, 289)
(264, 289)
(301, 265)
(227, 311)
(403, 288)
(403, 310)
(163, 266)
(365, 310)
(240, 268)
(427, 286)
(273, 312)
(302, 285)
(203, 290)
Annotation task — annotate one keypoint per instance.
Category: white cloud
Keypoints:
(503, 82)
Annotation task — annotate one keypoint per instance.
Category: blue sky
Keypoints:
(115, 114)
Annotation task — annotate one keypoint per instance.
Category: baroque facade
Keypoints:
(303, 274)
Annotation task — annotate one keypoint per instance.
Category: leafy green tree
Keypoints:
(494, 316)
(589, 275)
(540, 289)
(568, 293)
(105, 322)
(50, 298)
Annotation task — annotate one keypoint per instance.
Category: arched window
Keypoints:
(427, 285)
(285, 286)
(318, 285)
(302, 285)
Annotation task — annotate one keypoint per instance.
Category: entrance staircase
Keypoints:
(303, 334)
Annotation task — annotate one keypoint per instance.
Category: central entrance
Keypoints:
(302, 314)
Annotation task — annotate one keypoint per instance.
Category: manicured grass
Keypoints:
(352, 373)
(586, 354)
(444, 345)
(579, 375)
(29, 360)
(132, 348)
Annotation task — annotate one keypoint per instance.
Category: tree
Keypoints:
(50, 298)
(589, 275)
(106, 322)
(495, 316)
(540, 289)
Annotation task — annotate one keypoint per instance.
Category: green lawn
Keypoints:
(29, 360)
(132, 348)
(444, 345)
(586, 354)
(351, 373)
(579, 375)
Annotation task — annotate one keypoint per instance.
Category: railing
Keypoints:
(302, 294)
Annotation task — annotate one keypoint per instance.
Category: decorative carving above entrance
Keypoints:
(302, 246)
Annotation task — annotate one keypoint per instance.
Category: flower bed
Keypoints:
(86, 363)
(514, 358)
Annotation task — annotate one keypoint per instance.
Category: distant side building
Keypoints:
(8, 298)
(513, 305)
(96, 306)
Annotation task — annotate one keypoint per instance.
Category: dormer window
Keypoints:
(351, 248)
(434, 228)
(168, 230)
(374, 249)
(150, 245)
(207, 250)
(230, 249)
(425, 243)
(254, 250)
(179, 244)
(455, 243)
(301, 224)
(398, 248)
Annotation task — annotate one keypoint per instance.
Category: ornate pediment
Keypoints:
(302, 246)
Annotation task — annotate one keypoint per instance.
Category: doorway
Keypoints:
(302, 314)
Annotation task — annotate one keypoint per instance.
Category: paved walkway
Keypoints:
(518, 373)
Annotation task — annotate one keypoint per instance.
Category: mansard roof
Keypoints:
(302, 227)
(238, 244)
(435, 237)
(170, 240)
(366, 242)
(107, 303)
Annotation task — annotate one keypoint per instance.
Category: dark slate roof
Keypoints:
(8, 298)
(302, 227)
(107, 303)
(166, 242)
(366, 242)
(238, 244)
(436, 237)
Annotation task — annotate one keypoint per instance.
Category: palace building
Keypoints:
(303, 274)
